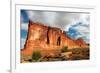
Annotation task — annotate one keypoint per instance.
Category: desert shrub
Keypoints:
(36, 55)
(64, 49)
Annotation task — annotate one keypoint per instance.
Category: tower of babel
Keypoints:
(48, 39)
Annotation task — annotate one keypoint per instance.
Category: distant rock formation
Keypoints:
(46, 38)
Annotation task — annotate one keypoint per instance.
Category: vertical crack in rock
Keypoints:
(58, 41)
(48, 41)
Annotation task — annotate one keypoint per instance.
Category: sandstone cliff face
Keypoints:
(45, 38)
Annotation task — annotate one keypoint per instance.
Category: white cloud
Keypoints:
(50, 18)
(24, 26)
(30, 14)
(82, 29)
(22, 42)
(85, 18)
(61, 20)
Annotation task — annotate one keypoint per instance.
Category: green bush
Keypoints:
(36, 55)
(64, 49)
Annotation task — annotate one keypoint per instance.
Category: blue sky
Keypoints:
(76, 25)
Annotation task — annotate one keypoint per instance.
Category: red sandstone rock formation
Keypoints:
(45, 38)
(81, 43)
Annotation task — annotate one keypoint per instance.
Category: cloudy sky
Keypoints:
(75, 24)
